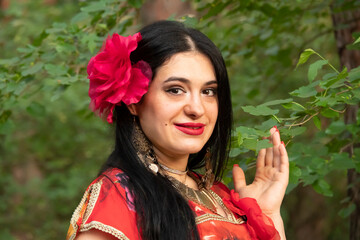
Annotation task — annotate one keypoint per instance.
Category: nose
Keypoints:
(194, 107)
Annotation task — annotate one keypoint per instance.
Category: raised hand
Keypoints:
(271, 178)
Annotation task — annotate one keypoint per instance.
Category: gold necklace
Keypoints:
(202, 197)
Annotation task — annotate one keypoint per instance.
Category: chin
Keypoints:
(192, 149)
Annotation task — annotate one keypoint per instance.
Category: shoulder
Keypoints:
(105, 200)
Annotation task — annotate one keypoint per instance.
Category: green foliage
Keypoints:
(51, 147)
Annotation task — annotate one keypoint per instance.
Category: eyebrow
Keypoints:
(187, 81)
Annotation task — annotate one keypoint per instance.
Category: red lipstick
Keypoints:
(191, 128)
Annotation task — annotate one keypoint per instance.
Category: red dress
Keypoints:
(107, 205)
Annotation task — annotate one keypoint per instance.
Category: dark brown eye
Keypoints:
(209, 92)
(175, 90)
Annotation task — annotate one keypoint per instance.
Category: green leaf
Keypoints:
(55, 70)
(357, 40)
(347, 211)
(250, 144)
(267, 124)
(247, 132)
(329, 113)
(293, 131)
(96, 6)
(314, 68)
(135, 3)
(90, 39)
(317, 122)
(81, 17)
(260, 110)
(36, 109)
(325, 101)
(335, 128)
(234, 152)
(32, 70)
(4, 116)
(322, 187)
(264, 143)
(215, 9)
(10, 61)
(38, 40)
(341, 161)
(306, 91)
(277, 102)
(305, 56)
(294, 173)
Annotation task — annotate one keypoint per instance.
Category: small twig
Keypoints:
(345, 147)
(342, 111)
(303, 122)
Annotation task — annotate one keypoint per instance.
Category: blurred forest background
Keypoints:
(291, 63)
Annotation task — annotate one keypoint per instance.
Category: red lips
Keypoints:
(191, 128)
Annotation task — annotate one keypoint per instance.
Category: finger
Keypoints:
(269, 151)
(276, 150)
(238, 177)
(284, 159)
(260, 162)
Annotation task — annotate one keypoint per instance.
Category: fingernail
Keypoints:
(236, 165)
(275, 127)
(282, 142)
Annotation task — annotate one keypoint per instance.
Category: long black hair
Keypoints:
(161, 211)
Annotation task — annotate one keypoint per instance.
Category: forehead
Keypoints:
(191, 65)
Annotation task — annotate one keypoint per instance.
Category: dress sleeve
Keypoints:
(259, 225)
(107, 206)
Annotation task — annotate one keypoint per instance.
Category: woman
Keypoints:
(167, 90)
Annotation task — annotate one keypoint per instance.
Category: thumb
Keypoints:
(238, 178)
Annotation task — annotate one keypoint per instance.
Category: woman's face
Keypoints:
(179, 112)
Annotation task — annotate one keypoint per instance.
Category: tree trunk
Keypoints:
(346, 23)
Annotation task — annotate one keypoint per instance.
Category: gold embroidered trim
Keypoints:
(104, 228)
(211, 217)
(227, 211)
(95, 190)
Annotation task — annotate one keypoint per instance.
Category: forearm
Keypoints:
(279, 224)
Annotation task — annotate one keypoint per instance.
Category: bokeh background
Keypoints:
(52, 146)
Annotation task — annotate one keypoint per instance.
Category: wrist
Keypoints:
(278, 223)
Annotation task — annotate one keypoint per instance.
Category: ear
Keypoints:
(133, 109)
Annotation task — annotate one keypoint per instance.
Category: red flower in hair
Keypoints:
(113, 78)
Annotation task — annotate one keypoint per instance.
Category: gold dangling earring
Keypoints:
(208, 178)
(144, 148)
